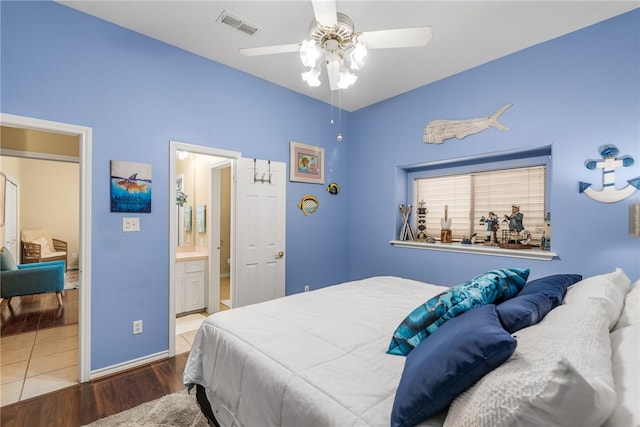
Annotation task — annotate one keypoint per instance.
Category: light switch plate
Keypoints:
(130, 224)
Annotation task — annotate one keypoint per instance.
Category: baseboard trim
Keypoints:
(125, 366)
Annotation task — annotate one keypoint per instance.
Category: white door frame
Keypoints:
(14, 246)
(84, 136)
(213, 284)
(174, 146)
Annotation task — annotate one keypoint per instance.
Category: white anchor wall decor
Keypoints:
(609, 193)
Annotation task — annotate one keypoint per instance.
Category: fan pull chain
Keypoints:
(331, 108)
(339, 137)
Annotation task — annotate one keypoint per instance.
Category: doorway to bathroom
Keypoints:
(253, 251)
(202, 273)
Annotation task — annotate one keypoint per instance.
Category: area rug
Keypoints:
(173, 410)
(71, 279)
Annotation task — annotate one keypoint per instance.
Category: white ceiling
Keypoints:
(465, 34)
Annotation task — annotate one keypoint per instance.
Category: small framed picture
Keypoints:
(306, 163)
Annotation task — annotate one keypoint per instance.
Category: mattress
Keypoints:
(311, 359)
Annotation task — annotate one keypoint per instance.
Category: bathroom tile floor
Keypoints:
(186, 329)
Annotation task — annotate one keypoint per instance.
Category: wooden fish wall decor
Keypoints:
(439, 130)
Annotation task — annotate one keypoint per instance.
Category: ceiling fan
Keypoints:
(332, 38)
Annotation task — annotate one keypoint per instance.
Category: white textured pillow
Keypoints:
(44, 246)
(611, 287)
(631, 311)
(625, 345)
(33, 235)
(560, 375)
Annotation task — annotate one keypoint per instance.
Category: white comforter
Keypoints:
(311, 359)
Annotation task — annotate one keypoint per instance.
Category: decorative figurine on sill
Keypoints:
(493, 223)
(406, 233)
(445, 223)
(422, 222)
(471, 241)
(545, 242)
(515, 223)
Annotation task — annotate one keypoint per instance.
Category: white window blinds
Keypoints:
(469, 197)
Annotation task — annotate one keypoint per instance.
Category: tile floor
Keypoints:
(38, 362)
(186, 329)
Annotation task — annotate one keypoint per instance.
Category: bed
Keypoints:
(321, 358)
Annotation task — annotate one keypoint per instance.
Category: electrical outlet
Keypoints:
(74, 255)
(137, 327)
(130, 224)
(306, 288)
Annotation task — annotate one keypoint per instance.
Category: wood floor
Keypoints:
(87, 402)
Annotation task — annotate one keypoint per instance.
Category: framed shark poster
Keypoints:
(130, 187)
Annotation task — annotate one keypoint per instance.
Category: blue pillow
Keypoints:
(487, 288)
(7, 262)
(523, 311)
(554, 287)
(534, 301)
(449, 361)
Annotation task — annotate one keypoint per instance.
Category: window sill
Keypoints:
(532, 253)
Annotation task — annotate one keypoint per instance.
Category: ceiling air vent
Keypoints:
(237, 23)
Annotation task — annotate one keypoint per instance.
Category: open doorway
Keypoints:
(79, 257)
(200, 238)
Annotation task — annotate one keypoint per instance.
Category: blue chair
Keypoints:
(30, 279)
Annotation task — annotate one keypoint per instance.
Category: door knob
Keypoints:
(280, 254)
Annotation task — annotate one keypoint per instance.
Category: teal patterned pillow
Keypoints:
(494, 286)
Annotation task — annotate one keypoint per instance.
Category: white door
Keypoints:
(259, 261)
(11, 219)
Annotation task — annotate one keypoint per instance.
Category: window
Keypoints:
(469, 197)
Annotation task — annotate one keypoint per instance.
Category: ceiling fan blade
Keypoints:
(332, 75)
(403, 37)
(325, 12)
(270, 50)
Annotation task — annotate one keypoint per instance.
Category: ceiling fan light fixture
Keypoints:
(345, 78)
(312, 77)
(309, 53)
(358, 56)
(338, 45)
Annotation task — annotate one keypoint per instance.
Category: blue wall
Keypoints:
(574, 93)
(137, 94)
